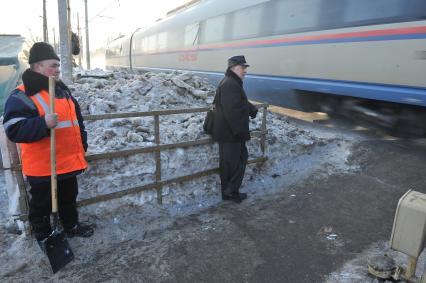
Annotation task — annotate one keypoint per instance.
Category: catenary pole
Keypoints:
(66, 67)
(45, 34)
(79, 38)
(69, 31)
(55, 45)
(87, 35)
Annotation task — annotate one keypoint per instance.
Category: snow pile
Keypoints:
(101, 93)
(123, 92)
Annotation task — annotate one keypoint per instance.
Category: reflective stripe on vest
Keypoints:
(12, 122)
(46, 108)
(42, 103)
(66, 124)
(21, 96)
(69, 147)
(26, 100)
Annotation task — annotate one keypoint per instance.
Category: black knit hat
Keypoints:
(42, 51)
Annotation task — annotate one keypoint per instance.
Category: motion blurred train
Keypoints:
(358, 58)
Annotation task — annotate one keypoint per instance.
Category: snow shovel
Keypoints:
(56, 245)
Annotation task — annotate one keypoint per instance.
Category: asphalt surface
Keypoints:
(283, 237)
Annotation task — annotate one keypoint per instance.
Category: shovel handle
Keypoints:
(53, 180)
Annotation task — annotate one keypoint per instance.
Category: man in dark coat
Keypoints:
(231, 128)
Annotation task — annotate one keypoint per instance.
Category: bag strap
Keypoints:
(216, 98)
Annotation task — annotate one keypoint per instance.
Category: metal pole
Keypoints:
(158, 160)
(54, 40)
(87, 35)
(69, 32)
(45, 34)
(66, 67)
(263, 127)
(79, 38)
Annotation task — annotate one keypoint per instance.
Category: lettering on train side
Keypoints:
(188, 57)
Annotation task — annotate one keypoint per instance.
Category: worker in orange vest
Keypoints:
(27, 122)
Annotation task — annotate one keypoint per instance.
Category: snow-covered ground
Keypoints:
(294, 154)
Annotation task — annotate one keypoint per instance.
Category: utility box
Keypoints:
(409, 226)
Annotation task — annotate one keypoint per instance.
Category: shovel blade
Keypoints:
(58, 251)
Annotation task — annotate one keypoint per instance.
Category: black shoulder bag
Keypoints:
(209, 120)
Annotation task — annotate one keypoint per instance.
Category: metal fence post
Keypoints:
(159, 187)
(263, 129)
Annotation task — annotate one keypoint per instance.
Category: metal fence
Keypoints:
(12, 165)
(159, 182)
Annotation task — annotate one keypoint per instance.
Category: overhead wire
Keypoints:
(104, 9)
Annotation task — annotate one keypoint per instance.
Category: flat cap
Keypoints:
(237, 60)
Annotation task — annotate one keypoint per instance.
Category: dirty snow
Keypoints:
(286, 144)
(354, 271)
(293, 155)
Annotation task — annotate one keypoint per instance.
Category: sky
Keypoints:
(107, 18)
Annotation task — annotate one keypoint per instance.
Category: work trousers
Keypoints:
(41, 205)
(232, 165)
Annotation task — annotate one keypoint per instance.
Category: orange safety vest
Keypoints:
(69, 147)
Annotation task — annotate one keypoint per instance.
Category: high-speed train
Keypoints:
(363, 58)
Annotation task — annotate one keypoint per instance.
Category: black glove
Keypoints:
(254, 113)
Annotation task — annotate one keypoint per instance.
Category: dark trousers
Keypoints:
(232, 165)
(41, 205)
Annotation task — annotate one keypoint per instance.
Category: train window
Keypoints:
(362, 12)
(416, 9)
(175, 38)
(124, 49)
(191, 34)
(213, 30)
(152, 42)
(367, 10)
(162, 40)
(137, 43)
(247, 22)
(144, 44)
(295, 15)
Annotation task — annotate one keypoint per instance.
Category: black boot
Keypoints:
(239, 197)
(243, 196)
(227, 195)
(41, 227)
(79, 230)
(236, 197)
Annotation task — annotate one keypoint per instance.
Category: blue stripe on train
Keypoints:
(281, 90)
(299, 42)
(319, 41)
